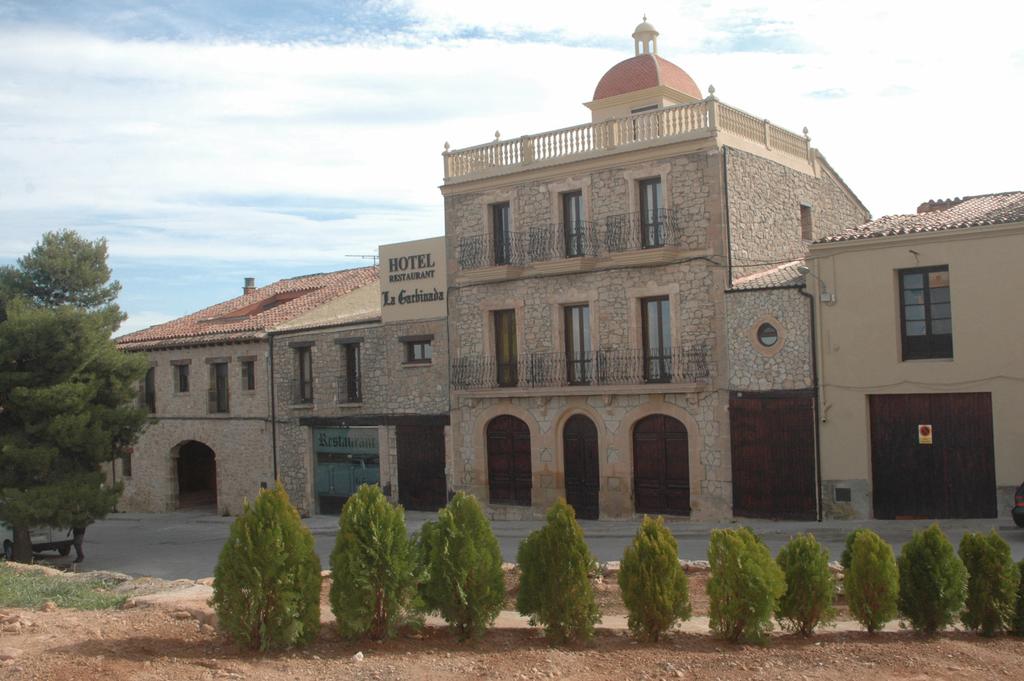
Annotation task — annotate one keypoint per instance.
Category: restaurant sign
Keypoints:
(413, 280)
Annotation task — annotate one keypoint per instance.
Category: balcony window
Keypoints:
(181, 378)
(502, 230)
(925, 313)
(219, 388)
(572, 224)
(505, 351)
(149, 391)
(652, 226)
(248, 374)
(304, 370)
(577, 345)
(657, 339)
(353, 378)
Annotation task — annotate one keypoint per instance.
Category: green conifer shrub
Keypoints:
(266, 586)
(872, 582)
(933, 581)
(1018, 617)
(653, 583)
(554, 585)
(992, 582)
(462, 567)
(810, 586)
(847, 556)
(745, 585)
(374, 567)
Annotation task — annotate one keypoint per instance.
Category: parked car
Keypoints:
(43, 539)
(1018, 506)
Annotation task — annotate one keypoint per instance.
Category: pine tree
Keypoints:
(653, 583)
(66, 392)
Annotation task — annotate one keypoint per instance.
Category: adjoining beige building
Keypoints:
(210, 442)
(361, 388)
(594, 349)
(921, 363)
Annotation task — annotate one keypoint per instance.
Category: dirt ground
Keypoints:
(152, 644)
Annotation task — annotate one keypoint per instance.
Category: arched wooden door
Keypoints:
(509, 472)
(582, 476)
(661, 466)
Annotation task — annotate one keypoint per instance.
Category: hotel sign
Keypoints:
(413, 280)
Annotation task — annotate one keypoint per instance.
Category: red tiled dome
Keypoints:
(644, 71)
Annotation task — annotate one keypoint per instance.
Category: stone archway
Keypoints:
(196, 472)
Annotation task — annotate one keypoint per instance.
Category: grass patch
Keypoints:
(31, 589)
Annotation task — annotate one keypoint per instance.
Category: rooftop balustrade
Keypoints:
(706, 117)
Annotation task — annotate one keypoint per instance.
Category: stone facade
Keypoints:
(392, 389)
(764, 209)
(786, 365)
(239, 438)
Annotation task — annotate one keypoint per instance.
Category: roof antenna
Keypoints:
(365, 257)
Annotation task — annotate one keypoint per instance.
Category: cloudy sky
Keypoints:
(212, 140)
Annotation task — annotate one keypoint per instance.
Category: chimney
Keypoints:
(250, 286)
(937, 205)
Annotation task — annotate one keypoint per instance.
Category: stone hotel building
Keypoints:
(627, 323)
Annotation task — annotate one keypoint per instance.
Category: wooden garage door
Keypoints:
(661, 466)
(773, 455)
(422, 485)
(509, 471)
(954, 477)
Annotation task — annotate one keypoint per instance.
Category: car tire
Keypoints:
(64, 549)
(8, 549)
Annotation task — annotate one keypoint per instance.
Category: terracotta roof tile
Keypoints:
(971, 211)
(784, 275)
(250, 315)
(644, 71)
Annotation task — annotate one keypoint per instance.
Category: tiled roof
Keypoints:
(644, 71)
(938, 216)
(250, 315)
(777, 277)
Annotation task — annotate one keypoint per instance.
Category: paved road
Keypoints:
(186, 544)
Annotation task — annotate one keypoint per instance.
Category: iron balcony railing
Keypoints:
(612, 234)
(604, 367)
(348, 389)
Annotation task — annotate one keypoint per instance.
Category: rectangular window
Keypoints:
(577, 345)
(806, 223)
(353, 373)
(248, 374)
(657, 339)
(418, 352)
(652, 215)
(505, 352)
(181, 378)
(572, 224)
(219, 388)
(925, 313)
(149, 390)
(502, 231)
(304, 370)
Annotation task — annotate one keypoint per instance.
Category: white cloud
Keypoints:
(302, 152)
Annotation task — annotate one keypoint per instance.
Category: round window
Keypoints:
(767, 335)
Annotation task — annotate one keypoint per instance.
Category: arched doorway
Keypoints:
(509, 471)
(661, 466)
(582, 474)
(197, 475)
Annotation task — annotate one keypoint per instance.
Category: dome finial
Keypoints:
(646, 35)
